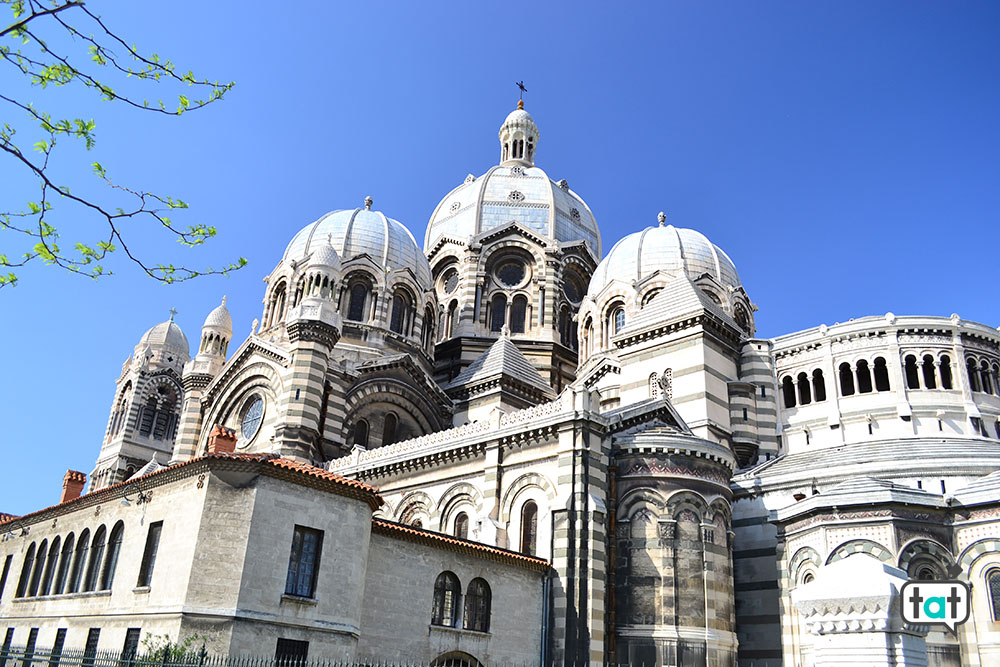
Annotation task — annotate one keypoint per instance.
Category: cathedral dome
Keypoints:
(664, 248)
(166, 335)
(514, 191)
(356, 232)
(220, 318)
(325, 256)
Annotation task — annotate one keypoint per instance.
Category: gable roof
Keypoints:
(502, 359)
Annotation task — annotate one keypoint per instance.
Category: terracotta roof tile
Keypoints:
(283, 468)
(432, 538)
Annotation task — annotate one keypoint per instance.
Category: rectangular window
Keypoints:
(29, 648)
(744, 414)
(942, 487)
(291, 650)
(8, 639)
(303, 563)
(149, 553)
(57, 647)
(90, 651)
(763, 392)
(131, 646)
(3, 577)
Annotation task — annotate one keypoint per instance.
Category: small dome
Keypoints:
(220, 318)
(663, 248)
(325, 256)
(166, 335)
(521, 119)
(351, 233)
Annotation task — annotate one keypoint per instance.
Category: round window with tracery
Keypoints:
(253, 416)
(449, 281)
(511, 273)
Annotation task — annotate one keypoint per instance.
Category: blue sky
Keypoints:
(844, 154)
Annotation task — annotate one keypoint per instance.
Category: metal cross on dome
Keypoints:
(172, 311)
(520, 84)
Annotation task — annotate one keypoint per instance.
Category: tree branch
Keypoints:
(34, 15)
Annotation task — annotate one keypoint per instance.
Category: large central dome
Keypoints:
(514, 191)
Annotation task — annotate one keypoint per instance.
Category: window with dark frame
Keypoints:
(993, 590)
(6, 571)
(8, 639)
(149, 553)
(303, 563)
(447, 591)
(29, 648)
(131, 646)
(478, 599)
(291, 651)
(57, 647)
(90, 652)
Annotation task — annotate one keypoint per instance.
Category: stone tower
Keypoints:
(146, 408)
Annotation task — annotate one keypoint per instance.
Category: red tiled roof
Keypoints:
(271, 465)
(435, 539)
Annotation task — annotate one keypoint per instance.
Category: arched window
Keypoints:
(64, 563)
(389, 428)
(864, 377)
(26, 567)
(399, 311)
(518, 311)
(846, 380)
(808, 578)
(447, 591)
(529, 528)
(984, 369)
(147, 416)
(361, 433)
(36, 574)
(618, 319)
(588, 338)
(477, 606)
(805, 398)
(928, 369)
(973, 375)
(925, 573)
(742, 319)
(111, 562)
(79, 562)
(121, 410)
(452, 318)
(50, 567)
(358, 301)
(912, 374)
(277, 304)
(881, 375)
(499, 315)
(462, 526)
(788, 392)
(993, 590)
(96, 558)
(819, 385)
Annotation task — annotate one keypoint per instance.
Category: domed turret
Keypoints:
(163, 346)
(664, 248)
(216, 332)
(518, 138)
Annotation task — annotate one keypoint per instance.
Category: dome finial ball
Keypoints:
(368, 203)
(662, 218)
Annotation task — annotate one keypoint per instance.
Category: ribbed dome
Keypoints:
(362, 231)
(166, 335)
(514, 193)
(220, 318)
(521, 119)
(325, 256)
(663, 248)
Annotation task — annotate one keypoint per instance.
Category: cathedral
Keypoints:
(507, 445)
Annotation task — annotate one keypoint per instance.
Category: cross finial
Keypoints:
(172, 311)
(520, 84)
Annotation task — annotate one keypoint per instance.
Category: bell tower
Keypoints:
(146, 408)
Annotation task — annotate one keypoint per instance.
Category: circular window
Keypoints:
(449, 281)
(511, 273)
(253, 415)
